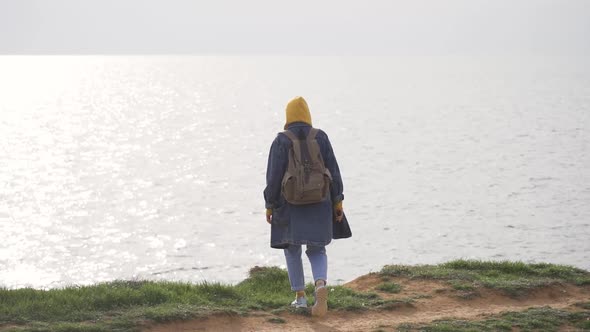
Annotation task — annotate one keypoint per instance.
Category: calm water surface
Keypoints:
(153, 167)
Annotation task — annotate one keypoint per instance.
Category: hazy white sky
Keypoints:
(368, 27)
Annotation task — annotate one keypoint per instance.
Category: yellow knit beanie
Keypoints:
(297, 111)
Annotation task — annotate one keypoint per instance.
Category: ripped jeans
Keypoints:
(317, 259)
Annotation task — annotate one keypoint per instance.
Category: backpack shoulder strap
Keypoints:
(290, 135)
(314, 147)
(312, 134)
(296, 144)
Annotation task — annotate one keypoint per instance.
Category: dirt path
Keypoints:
(432, 300)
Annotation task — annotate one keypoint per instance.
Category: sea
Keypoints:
(153, 167)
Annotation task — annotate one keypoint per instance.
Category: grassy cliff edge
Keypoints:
(133, 305)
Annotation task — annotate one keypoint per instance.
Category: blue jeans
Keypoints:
(317, 259)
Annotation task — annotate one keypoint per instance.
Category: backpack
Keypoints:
(307, 180)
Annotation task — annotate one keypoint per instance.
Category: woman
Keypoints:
(294, 225)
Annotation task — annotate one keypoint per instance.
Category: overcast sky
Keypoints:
(370, 27)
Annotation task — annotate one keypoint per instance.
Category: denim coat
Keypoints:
(309, 224)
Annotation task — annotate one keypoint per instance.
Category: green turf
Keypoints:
(515, 278)
(125, 305)
(389, 287)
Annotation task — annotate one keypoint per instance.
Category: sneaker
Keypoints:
(320, 307)
(300, 302)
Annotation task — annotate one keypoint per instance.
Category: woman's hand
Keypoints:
(338, 211)
(269, 216)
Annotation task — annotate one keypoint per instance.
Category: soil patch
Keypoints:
(431, 300)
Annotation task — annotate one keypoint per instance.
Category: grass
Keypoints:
(276, 320)
(514, 278)
(537, 319)
(583, 305)
(127, 306)
(390, 287)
